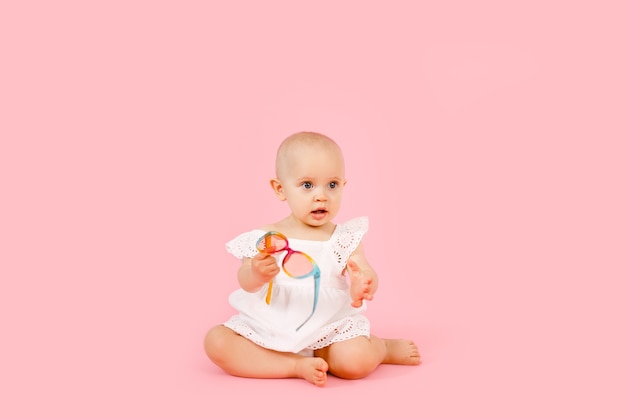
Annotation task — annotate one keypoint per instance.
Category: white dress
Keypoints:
(274, 326)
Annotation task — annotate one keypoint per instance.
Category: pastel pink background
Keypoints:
(484, 140)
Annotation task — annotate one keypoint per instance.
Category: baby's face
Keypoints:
(312, 183)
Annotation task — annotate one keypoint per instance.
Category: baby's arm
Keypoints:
(256, 272)
(363, 278)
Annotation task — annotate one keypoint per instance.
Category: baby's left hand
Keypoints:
(360, 285)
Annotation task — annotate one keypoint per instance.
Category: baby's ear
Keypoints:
(278, 188)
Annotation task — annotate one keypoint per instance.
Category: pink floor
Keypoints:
(485, 141)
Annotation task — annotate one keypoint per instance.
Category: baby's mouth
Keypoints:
(319, 211)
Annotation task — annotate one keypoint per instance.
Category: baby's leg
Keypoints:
(358, 357)
(240, 357)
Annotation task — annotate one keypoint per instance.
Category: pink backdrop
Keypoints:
(485, 142)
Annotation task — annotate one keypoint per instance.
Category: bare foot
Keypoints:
(313, 370)
(401, 352)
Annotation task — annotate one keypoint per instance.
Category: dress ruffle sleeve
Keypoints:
(244, 245)
(347, 238)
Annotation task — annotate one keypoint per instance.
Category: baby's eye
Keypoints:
(307, 185)
(332, 185)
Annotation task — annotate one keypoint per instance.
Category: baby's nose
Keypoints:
(320, 197)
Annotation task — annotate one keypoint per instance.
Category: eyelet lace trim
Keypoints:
(244, 245)
(348, 328)
(344, 241)
(348, 237)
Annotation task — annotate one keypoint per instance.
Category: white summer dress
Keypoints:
(274, 326)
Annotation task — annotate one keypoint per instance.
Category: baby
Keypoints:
(314, 324)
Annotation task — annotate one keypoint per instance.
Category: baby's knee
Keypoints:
(355, 366)
(353, 370)
(214, 342)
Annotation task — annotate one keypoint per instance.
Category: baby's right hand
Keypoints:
(264, 267)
